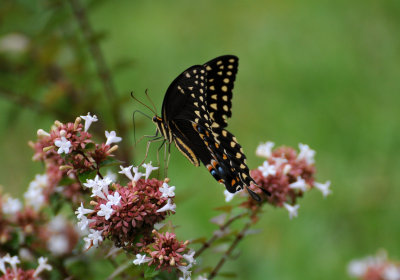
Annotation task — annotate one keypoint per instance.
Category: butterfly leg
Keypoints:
(147, 136)
(158, 157)
(157, 139)
(166, 159)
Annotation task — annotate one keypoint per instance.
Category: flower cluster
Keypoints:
(60, 236)
(68, 151)
(12, 271)
(125, 214)
(28, 227)
(375, 268)
(166, 252)
(285, 175)
(16, 220)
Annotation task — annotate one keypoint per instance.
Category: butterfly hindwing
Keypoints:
(221, 75)
(226, 163)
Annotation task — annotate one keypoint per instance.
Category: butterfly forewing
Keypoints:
(195, 112)
(179, 101)
(221, 75)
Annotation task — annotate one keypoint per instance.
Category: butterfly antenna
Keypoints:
(134, 124)
(151, 101)
(133, 96)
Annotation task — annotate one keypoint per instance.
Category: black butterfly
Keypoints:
(194, 116)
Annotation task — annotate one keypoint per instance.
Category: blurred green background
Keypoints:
(325, 73)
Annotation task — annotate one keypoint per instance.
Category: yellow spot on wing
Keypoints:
(224, 88)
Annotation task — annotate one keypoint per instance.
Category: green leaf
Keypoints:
(110, 161)
(83, 177)
(65, 181)
(198, 240)
(150, 272)
(90, 147)
(225, 208)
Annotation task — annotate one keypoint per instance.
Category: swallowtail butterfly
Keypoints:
(194, 116)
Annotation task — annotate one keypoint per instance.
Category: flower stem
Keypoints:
(238, 238)
(102, 71)
(215, 235)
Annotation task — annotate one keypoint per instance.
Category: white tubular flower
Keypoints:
(58, 223)
(95, 237)
(228, 195)
(265, 150)
(82, 211)
(149, 169)
(43, 265)
(167, 191)
(140, 259)
(34, 195)
(90, 183)
(292, 209)
(105, 211)
(104, 183)
(63, 145)
(357, 268)
(167, 207)
(88, 242)
(114, 199)
(112, 137)
(306, 153)
(89, 120)
(126, 171)
(138, 174)
(279, 161)
(299, 184)
(13, 261)
(190, 257)
(97, 190)
(391, 272)
(185, 271)
(3, 266)
(11, 206)
(111, 175)
(324, 188)
(267, 169)
(83, 223)
(201, 278)
(58, 244)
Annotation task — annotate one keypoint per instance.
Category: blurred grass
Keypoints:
(318, 72)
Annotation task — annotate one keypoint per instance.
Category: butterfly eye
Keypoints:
(155, 119)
